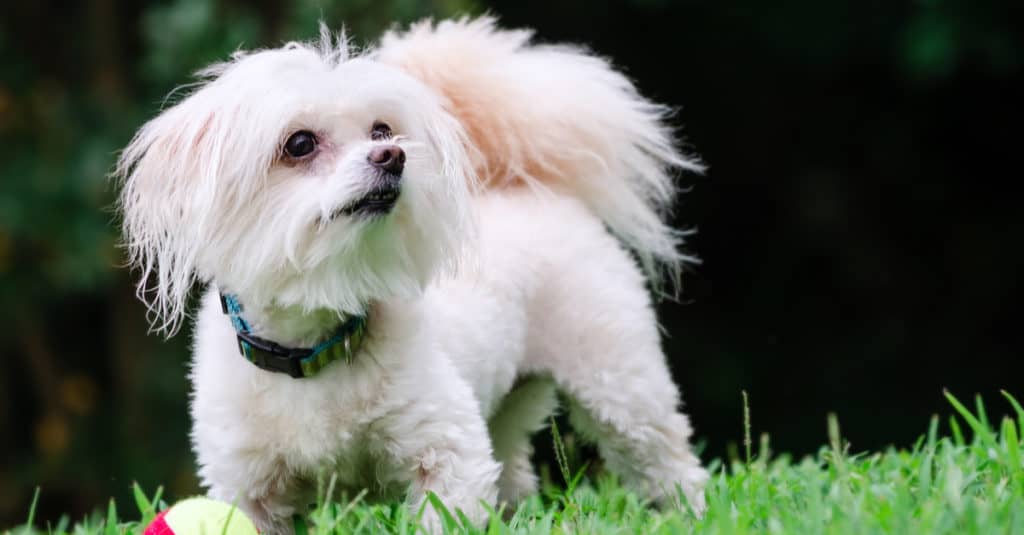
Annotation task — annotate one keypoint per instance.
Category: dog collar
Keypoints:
(297, 362)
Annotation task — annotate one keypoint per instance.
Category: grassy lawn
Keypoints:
(969, 478)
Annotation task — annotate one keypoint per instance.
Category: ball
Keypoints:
(201, 516)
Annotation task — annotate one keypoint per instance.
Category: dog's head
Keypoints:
(298, 176)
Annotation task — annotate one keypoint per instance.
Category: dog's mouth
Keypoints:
(378, 201)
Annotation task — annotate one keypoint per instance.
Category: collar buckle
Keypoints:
(270, 356)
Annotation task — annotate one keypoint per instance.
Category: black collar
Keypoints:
(297, 362)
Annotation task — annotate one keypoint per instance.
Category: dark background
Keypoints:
(858, 223)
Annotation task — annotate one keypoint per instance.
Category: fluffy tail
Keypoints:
(555, 117)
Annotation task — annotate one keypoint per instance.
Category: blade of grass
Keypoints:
(110, 527)
(746, 424)
(1009, 433)
(764, 450)
(447, 519)
(464, 520)
(925, 473)
(575, 482)
(954, 429)
(560, 457)
(32, 512)
(835, 440)
(156, 498)
(62, 524)
(1016, 407)
(141, 501)
(979, 407)
(344, 512)
(933, 432)
(982, 431)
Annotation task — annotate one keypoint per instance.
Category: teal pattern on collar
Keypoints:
(296, 362)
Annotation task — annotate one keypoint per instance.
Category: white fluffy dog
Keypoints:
(408, 251)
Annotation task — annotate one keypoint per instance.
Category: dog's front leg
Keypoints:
(439, 443)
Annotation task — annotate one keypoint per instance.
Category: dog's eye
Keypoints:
(300, 144)
(380, 131)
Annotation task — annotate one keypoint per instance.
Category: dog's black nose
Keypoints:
(390, 158)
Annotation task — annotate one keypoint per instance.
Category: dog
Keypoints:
(408, 251)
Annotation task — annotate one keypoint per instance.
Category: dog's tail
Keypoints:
(555, 117)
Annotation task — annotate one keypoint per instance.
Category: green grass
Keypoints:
(967, 480)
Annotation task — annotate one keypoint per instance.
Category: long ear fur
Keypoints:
(158, 171)
(174, 177)
(558, 117)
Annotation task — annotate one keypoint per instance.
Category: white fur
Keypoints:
(550, 298)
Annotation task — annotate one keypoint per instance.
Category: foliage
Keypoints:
(944, 484)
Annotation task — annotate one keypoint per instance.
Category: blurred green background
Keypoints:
(859, 224)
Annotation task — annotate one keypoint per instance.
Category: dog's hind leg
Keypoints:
(522, 413)
(650, 451)
(600, 344)
(627, 405)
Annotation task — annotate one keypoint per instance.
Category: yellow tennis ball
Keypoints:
(201, 516)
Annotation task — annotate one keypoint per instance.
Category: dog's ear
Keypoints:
(451, 228)
(168, 175)
(192, 166)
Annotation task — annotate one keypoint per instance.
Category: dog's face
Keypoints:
(297, 177)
